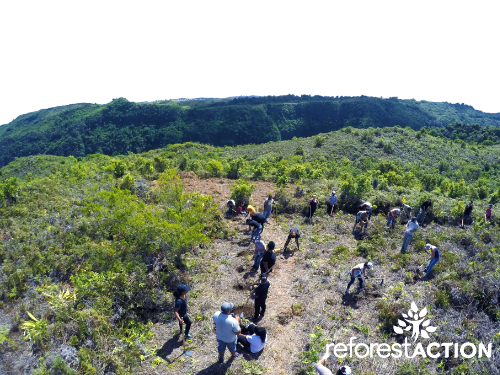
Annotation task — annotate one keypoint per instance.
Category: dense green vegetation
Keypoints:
(122, 126)
(90, 247)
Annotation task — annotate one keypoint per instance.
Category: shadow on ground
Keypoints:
(169, 346)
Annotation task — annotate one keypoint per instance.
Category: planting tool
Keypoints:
(186, 352)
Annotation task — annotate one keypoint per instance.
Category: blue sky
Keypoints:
(60, 52)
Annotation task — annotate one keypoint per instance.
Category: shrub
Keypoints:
(300, 151)
(297, 172)
(214, 168)
(128, 183)
(235, 168)
(388, 315)
(442, 299)
(119, 169)
(319, 141)
(241, 191)
(282, 181)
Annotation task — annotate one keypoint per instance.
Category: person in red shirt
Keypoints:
(487, 215)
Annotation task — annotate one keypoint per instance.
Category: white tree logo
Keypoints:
(413, 321)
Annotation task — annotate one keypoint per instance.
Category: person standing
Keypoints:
(411, 228)
(294, 233)
(180, 309)
(433, 259)
(256, 231)
(423, 211)
(313, 204)
(361, 219)
(260, 250)
(260, 297)
(268, 206)
(269, 259)
(227, 328)
(358, 271)
(331, 203)
(393, 215)
(487, 215)
(467, 214)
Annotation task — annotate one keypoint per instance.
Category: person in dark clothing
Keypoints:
(261, 219)
(261, 296)
(180, 308)
(313, 204)
(294, 233)
(269, 259)
(423, 211)
(256, 231)
(467, 214)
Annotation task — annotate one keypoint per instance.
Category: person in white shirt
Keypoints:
(411, 228)
(260, 249)
(253, 338)
(322, 370)
(358, 271)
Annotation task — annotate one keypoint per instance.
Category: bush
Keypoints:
(241, 191)
(388, 315)
(214, 168)
(319, 141)
(442, 299)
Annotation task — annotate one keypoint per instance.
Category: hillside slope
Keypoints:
(121, 126)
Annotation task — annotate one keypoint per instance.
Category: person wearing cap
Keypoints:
(393, 215)
(260, 297)
(331, 203)
(256, 231)
(268, 206)
(322, 370)
(423, 211)
(269, 259)
(467, 214)
(358, 271)
(294, 233)
(487, 215)
(180, 308)
(313, 204)
(362, 218)
(260, 250)
(433, 259)
(227, 329)
(411, 228)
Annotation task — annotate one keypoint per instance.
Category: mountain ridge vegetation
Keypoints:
(122, 126)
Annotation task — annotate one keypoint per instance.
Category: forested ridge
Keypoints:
(122, 126)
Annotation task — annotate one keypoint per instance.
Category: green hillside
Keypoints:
(91, 249)
(122, 126)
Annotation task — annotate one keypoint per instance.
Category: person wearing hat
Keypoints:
(411, 228)
(230, 207)
(393, 215)
(487, 215)
(294, 233)
(358, 271)
(433, 259)
(180, 308)
(322, 370)
(227, 329)
(313, 204)
(331, 203)
(269, 259)
(260, 297)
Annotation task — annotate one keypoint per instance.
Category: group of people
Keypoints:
(230, 332)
